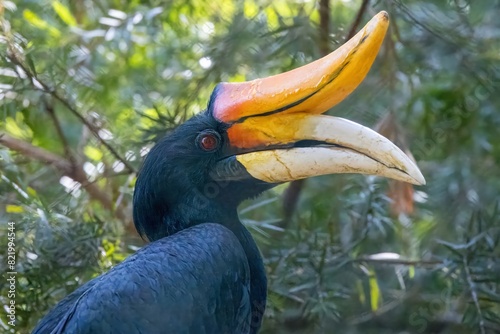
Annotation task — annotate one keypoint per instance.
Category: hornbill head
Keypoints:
(257, 134)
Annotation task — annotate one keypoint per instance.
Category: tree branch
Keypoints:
(324, 27)
(45, 88)
(473, 294)
(402, 262)
(36, 153)
(50, 110)
(65, 167)
(357, 20)
(292, 193)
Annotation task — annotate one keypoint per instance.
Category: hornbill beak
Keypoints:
(275, 130)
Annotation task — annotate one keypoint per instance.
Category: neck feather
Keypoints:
(258, 279)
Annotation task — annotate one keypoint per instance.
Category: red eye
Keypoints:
(208, 141)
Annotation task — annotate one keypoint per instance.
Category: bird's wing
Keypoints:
(196, 281)
(56, 317)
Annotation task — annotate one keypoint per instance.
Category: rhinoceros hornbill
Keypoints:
(202, 272)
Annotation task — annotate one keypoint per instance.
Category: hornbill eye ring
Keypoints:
(208, 140)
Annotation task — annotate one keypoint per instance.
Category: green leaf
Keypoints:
(93, 153)
(38, 22)
(64, 13)
(14, 208)
(375, 294)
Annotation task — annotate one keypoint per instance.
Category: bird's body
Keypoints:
(203, 272)
(165, 290)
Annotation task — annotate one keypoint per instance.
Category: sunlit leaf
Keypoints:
(14, 208)
(375, 293)
(93, 153)
(64, 13)
(36, 21)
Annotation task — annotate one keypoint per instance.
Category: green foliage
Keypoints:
(95, 83)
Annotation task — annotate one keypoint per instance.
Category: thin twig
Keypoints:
(292, 193)
(357, 20)
(383, 309)
(50, 110)
(473, 293)
(399, 261)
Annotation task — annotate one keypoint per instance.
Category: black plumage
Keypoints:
(153, 291)
(202, 273)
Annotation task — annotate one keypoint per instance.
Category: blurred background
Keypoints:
(87, 86)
